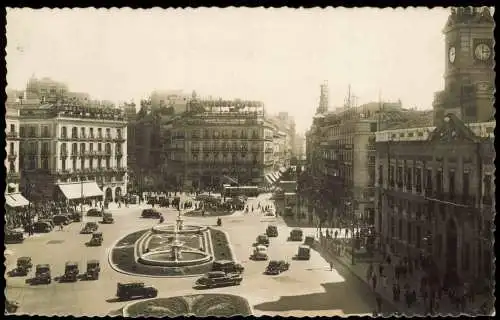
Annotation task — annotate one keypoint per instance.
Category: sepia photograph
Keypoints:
(223, 162)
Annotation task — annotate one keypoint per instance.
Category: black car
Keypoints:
(125, 291)
(42, 274)
(42, 227)
(94, 212)
(12, 236)
(272, 231)
(150, 213)
(61, 218)
(262, 239)
(90, 227)
(227, 266)
(277, 266)
(219, 278)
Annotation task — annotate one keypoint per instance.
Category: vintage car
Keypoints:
(259, 253)
(304, 252)
(277, 266)
(94, 212)
(227, 266)
(42, 227)
(296, 235)
(150, 213)
(309, 240)
(132, 290)
(60, 218)
(42, 274)
(11, 306)
(23, 267)
(219, 278)
(75, 216)
(12, 236)
(107, 218)
(96, 239)
(93, 270)
(71, 272)
(89, 228)
(272, 231)
(262, 239)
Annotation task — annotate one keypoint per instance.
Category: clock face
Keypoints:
(482, 52)
(452, 54)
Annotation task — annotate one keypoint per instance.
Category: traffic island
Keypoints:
(209, 213)
(200, 305)
(156, 253)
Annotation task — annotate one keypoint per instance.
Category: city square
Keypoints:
(161, 166)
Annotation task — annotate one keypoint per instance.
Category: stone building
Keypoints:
(72, 151)
(435, 195)
(216, 142)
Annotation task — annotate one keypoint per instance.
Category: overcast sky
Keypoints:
(278, 56)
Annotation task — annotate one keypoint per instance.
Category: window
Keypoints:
(32, 132)
(21, 132)
(428, 183)
(64, 132)
(91, 132)
(99, 147)
(409, 182)
(99, 163)
(74, 163)
(418, 179)
(487, 186)
(82, 148)
(373, 127)
(74, 133)
(82, 163)
(12, 166)
(380, 175)
(45, 149)
(99, 133)
(408, 233)
(108, 133)
(82, 132)
(451, 180)
(400, 229)
(11, 148)
(12, 128)
(108, 163)
(91, 163)
(439, 181)
(63, 164)
(119, 133)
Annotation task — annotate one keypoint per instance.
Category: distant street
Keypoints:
(308, 288)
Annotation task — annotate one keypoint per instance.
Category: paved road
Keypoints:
(308, 288)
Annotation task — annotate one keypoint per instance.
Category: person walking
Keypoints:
(331, 265)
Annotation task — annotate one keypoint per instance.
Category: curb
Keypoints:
(347, 266)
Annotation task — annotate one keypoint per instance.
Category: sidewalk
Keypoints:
(360, 269)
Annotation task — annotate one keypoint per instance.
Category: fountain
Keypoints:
(164, 246)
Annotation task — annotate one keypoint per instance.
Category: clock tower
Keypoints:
(469, 76)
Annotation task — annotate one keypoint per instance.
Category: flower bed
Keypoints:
(122, 256)
(202, 305)
(220, 242)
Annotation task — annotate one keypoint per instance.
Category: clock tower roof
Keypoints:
(469, 15)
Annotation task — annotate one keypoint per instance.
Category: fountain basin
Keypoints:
(171, 229)
(164, 258)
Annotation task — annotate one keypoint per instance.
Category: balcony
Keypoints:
(119, 139)
(74, 154)
(12, 156)
(108, 138)
(74, 137)
(13, 176)
(64, 153)
(64, 137)
(107, 153)
(12, 135)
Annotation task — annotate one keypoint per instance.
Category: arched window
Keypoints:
(108, 148)
(64, 132)
(82, 148)
(74, 148)
(74, 132)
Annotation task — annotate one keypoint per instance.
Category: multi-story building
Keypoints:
(13, 198)
(436, 195)
(46, 90)
(175, 99)
(218, 141)
(73, 151)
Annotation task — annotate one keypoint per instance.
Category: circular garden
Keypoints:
(125, 255)
(199, 305)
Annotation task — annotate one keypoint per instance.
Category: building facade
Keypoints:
(435, 195)
(73, 151)
(218, 142)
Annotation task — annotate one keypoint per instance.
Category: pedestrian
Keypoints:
(61, 226)
(369, 272)
(331, 265)
(374, 282)
(379, 303)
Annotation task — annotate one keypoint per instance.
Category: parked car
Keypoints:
(107, 218)
(304, 252)
(94, 212)
(262, 239)
(227, 266)
(309, 241)
(75, 216)
(11, 306)
(296, 234)
(71, 272)
(259, 253)
(96, 239)
(150, 213)
(23, 267)
(93, 270)
(132, 290)
(42, 227)
(89, 228)
(60, 218)
(272, 231)
(12, 236)
(219, 278)
(277, 266)
(49, 221)
(42, 274)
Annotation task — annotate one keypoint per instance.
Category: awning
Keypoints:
(271, 177)
(276, 175)
(15, 200)
(79, 190)
(229, 179)
(268, 179)
(282, 169)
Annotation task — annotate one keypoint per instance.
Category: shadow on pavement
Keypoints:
(337, 296)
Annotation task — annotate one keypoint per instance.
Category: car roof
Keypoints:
(71, 263)
(24, 258)
(260, 246)
(297, 229)
(97, 232)
(216, 273)
(304, 246)
(131, 284)
(43, 265)
(93, 261)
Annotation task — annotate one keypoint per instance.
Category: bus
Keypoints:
(235, 191)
